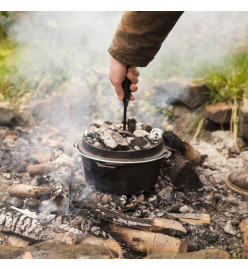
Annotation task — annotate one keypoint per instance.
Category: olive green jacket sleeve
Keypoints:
(140, 35)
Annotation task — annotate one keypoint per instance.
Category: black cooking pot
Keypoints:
(121, 172)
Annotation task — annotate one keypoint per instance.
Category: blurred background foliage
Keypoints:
(225, 79)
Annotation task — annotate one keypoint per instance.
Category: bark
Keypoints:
(40, 169)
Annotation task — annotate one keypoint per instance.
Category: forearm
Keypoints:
(140, 35)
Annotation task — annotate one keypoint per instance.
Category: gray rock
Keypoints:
(14, 201)
(230, 229)
(6, 113)
(184, 209)
(95, 230)
(32, 204)
(190, 91)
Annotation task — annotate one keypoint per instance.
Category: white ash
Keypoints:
(109, 135)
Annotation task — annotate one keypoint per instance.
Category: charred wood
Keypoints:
(181, 173)
(115, 217)
(189, 152)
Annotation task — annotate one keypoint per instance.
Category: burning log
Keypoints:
(28, 191)
(182, 173)
(184, 148)
(22, 225)
(148, 242)
(193, 218)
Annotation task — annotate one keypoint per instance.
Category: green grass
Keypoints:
(227, 80)
(12, 84)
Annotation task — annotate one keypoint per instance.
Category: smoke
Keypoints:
(66, 52)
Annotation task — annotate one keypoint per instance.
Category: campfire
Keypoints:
(52, 198)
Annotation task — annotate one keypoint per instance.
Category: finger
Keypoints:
(134, 79)
(134, 70)
(133, 87)
(132, 97)
(119, 91)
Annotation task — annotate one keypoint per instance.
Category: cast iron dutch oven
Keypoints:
(121, 172)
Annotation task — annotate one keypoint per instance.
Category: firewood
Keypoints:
(108, 243)
(164, 225)
(45, 168)
(21, 225)
(115, 217)
(40, 169)
(17, 241)
(61, 188)
(182, 173)
(192, 218)
(28, 191)
(188, 151)
(148, 242)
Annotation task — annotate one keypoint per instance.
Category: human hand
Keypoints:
(117, 75)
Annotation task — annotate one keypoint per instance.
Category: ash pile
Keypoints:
(45, 197)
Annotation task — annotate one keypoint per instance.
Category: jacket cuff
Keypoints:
(127, 61)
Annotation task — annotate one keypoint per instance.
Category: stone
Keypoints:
(24, 117)
(213, 253)
(32, 203)
(219, 113)
(230, 229)
(6, 113)
(184, 209)
(183, 117)
(190, 91)
(52, 110)
(243, 226)
(243, 116)
(14, 201)
(95, 230)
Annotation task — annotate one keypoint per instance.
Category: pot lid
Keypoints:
(128, 157)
